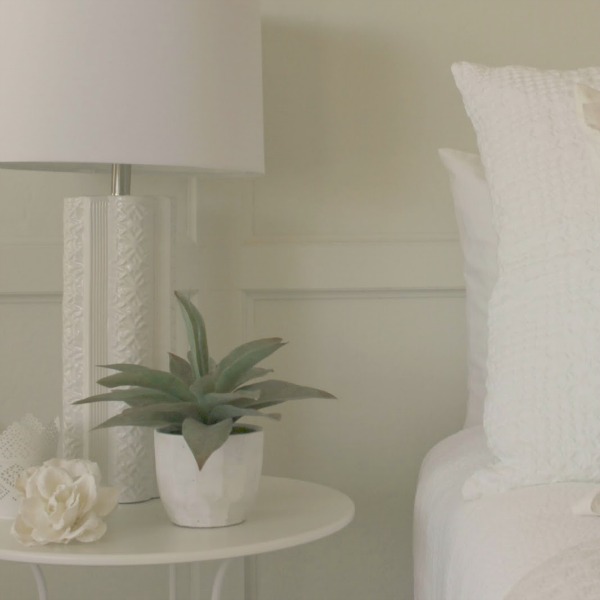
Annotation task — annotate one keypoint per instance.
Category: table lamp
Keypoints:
(107, 85)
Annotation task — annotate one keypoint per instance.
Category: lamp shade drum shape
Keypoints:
(163, 84)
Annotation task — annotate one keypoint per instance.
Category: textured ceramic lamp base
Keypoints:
(116, 308)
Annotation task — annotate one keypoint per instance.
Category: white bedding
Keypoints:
(525, 544)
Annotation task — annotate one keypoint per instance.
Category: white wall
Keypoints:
(347, 248)
(354, 221)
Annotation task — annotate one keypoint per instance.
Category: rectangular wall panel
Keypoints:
(30, 356)
(396, 362)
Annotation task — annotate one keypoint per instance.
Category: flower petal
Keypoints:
(48, 479)
(22, 532)
(85, 488)
(89, 526)
(33, 512)
(93, 534)
(65, 514)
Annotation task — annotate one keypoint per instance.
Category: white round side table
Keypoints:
(287, 513)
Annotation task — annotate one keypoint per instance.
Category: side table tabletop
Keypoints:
(287, 513)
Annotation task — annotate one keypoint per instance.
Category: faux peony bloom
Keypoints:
(62, 501)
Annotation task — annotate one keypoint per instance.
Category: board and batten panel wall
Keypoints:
(352, 252)
(347, 248)
(352, 257)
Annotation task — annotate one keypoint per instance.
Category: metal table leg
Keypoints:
(219, 578)
(250, 578)
(172, 583)
(40, 582)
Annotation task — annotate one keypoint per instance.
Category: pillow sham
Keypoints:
(479, 244)
(542, 409)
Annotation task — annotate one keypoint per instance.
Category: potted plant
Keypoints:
(208, 464)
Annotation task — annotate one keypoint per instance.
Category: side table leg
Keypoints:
(172, 583)
(219, 578)
(40, 582)
(250, 578)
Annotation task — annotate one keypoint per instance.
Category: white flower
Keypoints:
(62, 501)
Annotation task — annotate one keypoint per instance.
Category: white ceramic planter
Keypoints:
(218, 495)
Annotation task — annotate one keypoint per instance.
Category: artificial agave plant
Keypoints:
(199, 398)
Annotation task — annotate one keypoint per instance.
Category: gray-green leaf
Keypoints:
(203, 440)
(135, 375)
(133, 397)
(181, 368)
(216, 398)
(155, 415)
(203, 385)
(233, 367)
(253, 373)
(196, 334)
(274, 392)
(208, 401)
(227, 411)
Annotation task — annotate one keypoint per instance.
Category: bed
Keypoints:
(525, 544)
(509, 507)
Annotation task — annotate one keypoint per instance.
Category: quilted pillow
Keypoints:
(542, 411)
(479, 243)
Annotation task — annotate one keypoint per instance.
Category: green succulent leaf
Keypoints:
(136, 375)
(203, 439)
(202, 386)
(181, 368)
(196, 334)
(217, 398)
(227, 411)
(156, 415)
(274, 392)
(124, 367)
(207, 402)
(243, 403)
(133, 397)
(253, 373)
(235, 365)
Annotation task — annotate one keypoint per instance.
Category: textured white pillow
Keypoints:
(479, 243)
(588, 104)
(542, 411)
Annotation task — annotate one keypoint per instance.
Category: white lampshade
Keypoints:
(159, 83)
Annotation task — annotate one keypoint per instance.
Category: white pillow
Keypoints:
(588, 104)
(542, 410)
(479, 243)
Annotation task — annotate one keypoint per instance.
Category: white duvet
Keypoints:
(525, 544)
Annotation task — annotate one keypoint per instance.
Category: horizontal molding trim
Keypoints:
(251, 298)
(30, 298)
(417, 236)
(354, 294)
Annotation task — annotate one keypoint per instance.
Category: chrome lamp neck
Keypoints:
(121, 180)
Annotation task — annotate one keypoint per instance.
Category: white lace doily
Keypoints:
(24, 443)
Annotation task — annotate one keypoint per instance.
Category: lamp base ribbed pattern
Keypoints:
(116, 309)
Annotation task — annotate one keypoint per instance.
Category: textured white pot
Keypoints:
(218, 495)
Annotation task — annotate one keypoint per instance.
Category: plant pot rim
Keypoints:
(241, 429)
